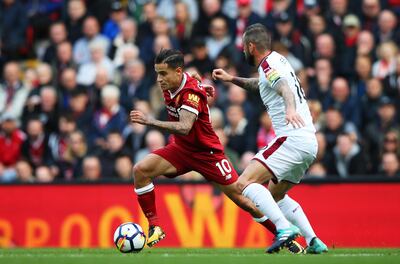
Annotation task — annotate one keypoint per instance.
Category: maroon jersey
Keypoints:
(193, 98)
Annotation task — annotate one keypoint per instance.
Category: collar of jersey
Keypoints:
(180, 87)
(263, 59)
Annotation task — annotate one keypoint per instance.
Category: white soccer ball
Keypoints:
(129, 238)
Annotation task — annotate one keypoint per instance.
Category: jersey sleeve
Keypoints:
(191, 101)
(271, 74)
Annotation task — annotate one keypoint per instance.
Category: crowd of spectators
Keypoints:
(72, 70)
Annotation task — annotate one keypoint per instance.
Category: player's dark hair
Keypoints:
(172, 57)
(259, 36)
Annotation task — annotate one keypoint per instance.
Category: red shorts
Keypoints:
(214, 167)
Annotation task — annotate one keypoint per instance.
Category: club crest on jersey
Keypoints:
(177, 98)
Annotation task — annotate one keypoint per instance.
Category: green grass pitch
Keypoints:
(194, 256)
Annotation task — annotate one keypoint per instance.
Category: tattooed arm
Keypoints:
(282, 88)
(181, 127)
(249, 84)
(292, 117)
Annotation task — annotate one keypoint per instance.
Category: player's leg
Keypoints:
(232, 191)
(150, 167)
(250, 183)
(216, 168)
(295, 214)
(291, 209)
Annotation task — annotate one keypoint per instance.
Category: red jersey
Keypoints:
(193, 98)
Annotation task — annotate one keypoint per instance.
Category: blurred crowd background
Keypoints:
(71, 71)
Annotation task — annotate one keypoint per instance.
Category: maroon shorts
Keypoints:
(214, 167)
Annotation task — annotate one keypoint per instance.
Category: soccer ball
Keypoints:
(129, 238)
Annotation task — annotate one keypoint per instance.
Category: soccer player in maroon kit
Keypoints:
(195, 146)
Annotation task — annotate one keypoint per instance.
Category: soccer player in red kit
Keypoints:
(195, 147)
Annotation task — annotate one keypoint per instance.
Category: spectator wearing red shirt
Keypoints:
(11, 139)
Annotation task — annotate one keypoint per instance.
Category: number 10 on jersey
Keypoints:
(225, 168)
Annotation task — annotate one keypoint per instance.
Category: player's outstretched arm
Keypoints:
(249, 84)
(292, 117)
(181, 127)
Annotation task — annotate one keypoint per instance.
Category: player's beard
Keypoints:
(249, 58)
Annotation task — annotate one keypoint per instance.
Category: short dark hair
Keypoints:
(35, 118)
(68, 116)
(58, 22)
(172, 57)
(79, 90)
(259, 36)
(113, 132)
(344, 133)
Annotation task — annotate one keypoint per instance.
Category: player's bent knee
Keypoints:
(141, 171)
(242, 184)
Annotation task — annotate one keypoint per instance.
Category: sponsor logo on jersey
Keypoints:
(272, 75)
(193, 98)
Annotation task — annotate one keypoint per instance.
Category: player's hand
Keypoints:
(138, 117)
(196, 75)
(210, 90)
(293, 118)
(222, 75)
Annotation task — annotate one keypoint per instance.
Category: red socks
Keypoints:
(147, 201)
